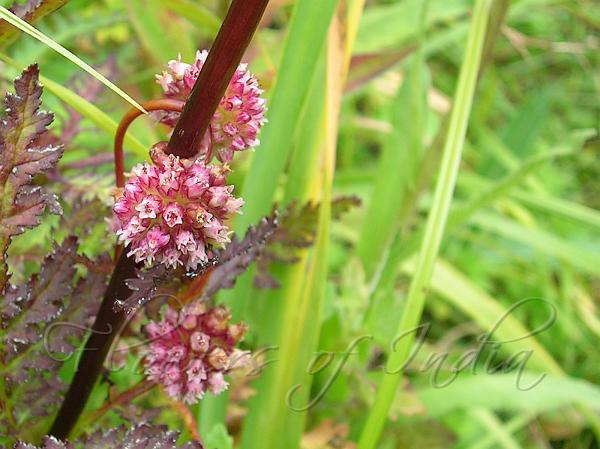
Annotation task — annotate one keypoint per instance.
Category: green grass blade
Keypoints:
(399, 162)
(287, 305)
(584, 258)
(86, 109)
(401, 249)
(456, 288)
(298, 321)
(390, 25)
(196, 13)
(435, 223)
(161, 36)
(558, 206)
(452, 285)
(8, 33)
(95, 114)
(494, 427)
(306, 36)
(67, 29)
(510, 427)
(33, 32)
(498, 392)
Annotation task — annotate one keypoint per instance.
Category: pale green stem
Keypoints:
(434, 230)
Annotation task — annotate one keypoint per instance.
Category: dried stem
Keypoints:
(225, 55)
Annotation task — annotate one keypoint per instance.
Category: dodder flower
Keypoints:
(171, 211)
(191, 350)
(239, 116)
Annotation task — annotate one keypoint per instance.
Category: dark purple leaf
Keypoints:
(141, 436)
(222, 272)
(366, 67)
(21, 159)
(145, 286)
(297, 230)
(42, 322)
(239, 254)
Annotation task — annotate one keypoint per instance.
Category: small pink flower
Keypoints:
(239, 116)
(131, 230)
(170, 211)
(219, 196)
(178, 68)
(185, 241)
(217, 384)
(173, 215)
(148, 207)
(172, 81)
(191, 350)
(172, 258)
(156, 238)
(216, 232)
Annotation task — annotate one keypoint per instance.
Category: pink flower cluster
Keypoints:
(239, 116)
(191, 350)
(171, 211)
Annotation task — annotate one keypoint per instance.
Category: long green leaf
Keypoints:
(8, 33)
(306, 35)
(399, 162)
(33, 32)
(284, 391)
(148, 16)
(584, 258)
(567, 209)
(485, 311)
(435, 226)
(86, 109)
(268, 408)
(388, 26)
(511, 426)
(490, 192)
(500, 392)
(494, 427)
(95, 114)
(196, 13)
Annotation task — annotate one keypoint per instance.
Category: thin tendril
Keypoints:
(165, 104)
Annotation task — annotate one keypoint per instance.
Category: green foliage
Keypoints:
(518, 238)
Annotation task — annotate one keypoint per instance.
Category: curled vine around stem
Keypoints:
(163, 104)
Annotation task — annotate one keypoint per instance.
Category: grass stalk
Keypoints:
(284, 391)
(400, 160)
(19, 23)
(435, 227)
(306, 36)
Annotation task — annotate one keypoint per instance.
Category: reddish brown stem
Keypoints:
(224, 57)
(164, 104)
(226, 53)
(188, 419)
(107, 326)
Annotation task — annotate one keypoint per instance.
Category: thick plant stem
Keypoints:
(226, 53)
(107, 325)
(434, 230)
(224, 57)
